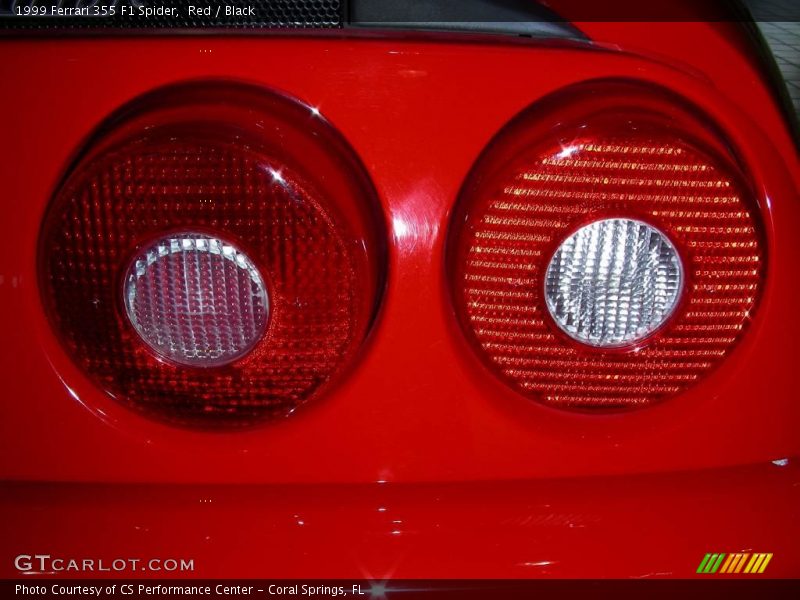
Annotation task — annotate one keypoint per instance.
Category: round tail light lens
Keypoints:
(215, 256)
(613, 282)
(606, 251)
(196, 300)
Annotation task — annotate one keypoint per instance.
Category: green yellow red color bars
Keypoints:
(737, 562)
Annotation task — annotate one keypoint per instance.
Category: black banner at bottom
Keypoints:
(435, 589)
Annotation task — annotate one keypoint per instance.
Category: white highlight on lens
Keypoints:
(613, 282)
(196, 300)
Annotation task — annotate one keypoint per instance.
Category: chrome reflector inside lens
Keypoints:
(613, 282)
(196, 300)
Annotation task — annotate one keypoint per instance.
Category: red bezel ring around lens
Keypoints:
(270, 179)
(607, 150)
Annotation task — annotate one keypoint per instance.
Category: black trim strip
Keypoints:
(511, 17)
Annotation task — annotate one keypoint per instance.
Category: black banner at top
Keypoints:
(337, 14)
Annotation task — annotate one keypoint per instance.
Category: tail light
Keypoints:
(611, 260)
(214, 258)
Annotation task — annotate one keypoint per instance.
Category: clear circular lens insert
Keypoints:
(613, 282)
(196, 300)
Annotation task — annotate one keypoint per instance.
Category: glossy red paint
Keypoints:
(597, 527)
(418, 406)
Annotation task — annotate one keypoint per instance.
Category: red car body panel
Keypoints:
(646, 526)
(470, 466)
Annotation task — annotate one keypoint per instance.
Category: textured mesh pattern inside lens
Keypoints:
(516, 221)
(307, 252)
(196, 299)
(613, 282)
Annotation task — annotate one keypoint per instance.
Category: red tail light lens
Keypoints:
(215, 257)
(610, 261)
